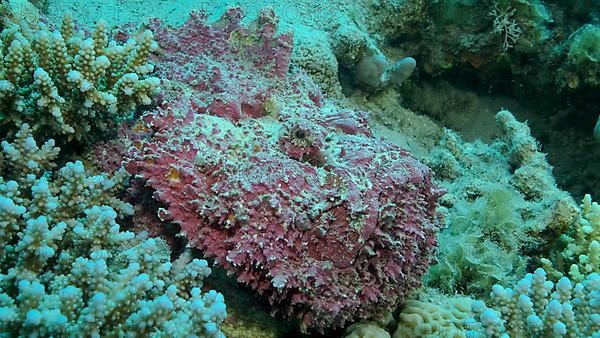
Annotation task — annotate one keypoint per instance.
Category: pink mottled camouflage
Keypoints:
(287, 191)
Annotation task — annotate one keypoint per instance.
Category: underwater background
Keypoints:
(394, 168)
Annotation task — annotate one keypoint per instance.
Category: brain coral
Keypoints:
(289, 193)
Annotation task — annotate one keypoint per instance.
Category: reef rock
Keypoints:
(288, 192)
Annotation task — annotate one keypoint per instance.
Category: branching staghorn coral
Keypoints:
(557, 306)
(67, 268)
(66, 83)
(538, 307)
(581, 253)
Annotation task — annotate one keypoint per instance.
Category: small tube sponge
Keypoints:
(357, 51)
(402, 70)
(371, 68)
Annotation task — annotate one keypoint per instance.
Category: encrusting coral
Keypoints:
(67, 268)
(313, 53)
(67, 84)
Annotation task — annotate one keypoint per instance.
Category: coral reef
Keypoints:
(488, 40)
(67, 268)
(301, 202)
(68, 84)
(482, 46)
(250, 160)
(482, 34)
(555, 306)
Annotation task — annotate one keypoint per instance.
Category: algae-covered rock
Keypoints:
(584, 54)
(502, 207)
